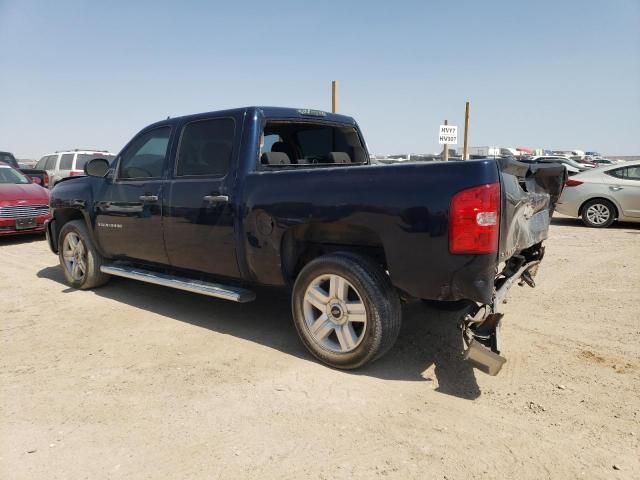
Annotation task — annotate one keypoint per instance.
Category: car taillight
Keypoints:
(474, 220)
(45, 182)
(76, 173)
(572, 183)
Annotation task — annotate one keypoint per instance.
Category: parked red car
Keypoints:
(24, 205)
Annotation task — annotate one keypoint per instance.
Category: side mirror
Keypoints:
(98, 167)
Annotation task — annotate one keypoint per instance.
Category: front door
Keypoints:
(129, 218)
(199, 214)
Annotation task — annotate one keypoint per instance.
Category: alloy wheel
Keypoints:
(334, 313)
(74, 254)
(598, 214)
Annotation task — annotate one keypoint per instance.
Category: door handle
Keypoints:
(615, 189)
(149, 198)
(216, 198)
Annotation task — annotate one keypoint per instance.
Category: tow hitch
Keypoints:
(481, 330)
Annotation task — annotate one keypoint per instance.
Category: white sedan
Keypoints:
(602, 195)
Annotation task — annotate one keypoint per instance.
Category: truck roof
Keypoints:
(270, 112)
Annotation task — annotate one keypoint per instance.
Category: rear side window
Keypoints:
(145, 156)
(83, 158)
(66, 161)
(51, 162)
(206, 147)
(41, 163)
(627, 173)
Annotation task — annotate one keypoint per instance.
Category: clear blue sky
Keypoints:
(557, 74)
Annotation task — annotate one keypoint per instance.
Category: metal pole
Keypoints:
(334, 96)
(446, 146)
(465, 151)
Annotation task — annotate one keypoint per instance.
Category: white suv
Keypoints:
(69, 163)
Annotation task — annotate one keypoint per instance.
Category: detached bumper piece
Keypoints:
(484, 359)
(481, 330)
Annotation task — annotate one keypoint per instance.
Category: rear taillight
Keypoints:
(572, 183)
(76, 173)
(45, 180)
(474, 220)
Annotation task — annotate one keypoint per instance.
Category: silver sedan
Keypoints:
(604, 194)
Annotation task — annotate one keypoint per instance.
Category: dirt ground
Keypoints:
(139, 381)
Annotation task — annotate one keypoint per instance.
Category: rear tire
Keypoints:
(598, 213)
(79, 258)
(345, 310)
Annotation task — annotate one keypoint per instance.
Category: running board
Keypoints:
(226, 292)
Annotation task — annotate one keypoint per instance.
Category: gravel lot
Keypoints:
(138, 381)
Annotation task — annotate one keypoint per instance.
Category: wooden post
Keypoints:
(465, 151)
(334, 96)
(446, 146)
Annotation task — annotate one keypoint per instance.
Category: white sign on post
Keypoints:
(448, 135)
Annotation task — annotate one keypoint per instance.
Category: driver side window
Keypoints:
(145, 157)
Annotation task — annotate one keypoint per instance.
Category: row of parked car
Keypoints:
(24, 192)
(573, 165)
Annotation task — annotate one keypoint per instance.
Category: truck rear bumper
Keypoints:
(481, 331)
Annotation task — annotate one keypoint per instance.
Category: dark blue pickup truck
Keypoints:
(218, 202)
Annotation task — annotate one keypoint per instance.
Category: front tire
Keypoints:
(598, 213)
(345, 310)
(79, 258)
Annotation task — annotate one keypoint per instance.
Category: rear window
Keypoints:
(310, 144)
(83, 158)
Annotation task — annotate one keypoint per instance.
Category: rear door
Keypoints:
(625, 188)
(198, 213)
(129, 216)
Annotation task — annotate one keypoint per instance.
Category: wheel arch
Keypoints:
(63, 216)
(616, 207)
(303, 243)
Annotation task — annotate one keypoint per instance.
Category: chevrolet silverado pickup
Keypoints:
(219, 203)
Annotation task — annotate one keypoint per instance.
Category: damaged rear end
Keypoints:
(529, 193)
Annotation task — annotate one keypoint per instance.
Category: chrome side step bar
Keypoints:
(235, 294)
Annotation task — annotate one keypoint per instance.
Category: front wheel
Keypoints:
(345, 310)
(598, 213)
(79, 258)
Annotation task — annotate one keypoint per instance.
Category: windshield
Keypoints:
(8, 159)
(573, 163)
(83, 158)
(9, 175)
